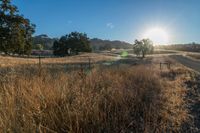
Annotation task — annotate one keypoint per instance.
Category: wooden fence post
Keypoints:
(169, 65)
(39, 65)
(39, 61)
(89, 63)
(160, 66)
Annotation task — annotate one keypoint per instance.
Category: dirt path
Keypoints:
(195, 65)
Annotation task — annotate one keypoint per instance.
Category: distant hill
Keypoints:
(44, 40)
(98, 44)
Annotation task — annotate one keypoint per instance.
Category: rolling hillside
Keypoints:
(45, 40)
(96, 44)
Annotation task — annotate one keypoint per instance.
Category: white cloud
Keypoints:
(110, 25)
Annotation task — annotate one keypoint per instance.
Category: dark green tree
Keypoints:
(143, 47)
(73, 43)
(58, 48)
(15, 31)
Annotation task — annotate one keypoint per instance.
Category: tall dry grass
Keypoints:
(116, 99)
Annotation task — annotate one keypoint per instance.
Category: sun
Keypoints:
(159, 36)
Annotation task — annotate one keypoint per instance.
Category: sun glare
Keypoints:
(159, 36)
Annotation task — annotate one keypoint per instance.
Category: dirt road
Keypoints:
(193, 64)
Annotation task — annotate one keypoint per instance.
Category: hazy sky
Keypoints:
(124, 20)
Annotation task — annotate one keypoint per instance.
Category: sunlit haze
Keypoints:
(158, 35)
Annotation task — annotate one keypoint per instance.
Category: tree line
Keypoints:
(191, 47)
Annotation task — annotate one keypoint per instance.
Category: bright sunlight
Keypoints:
(159, 36)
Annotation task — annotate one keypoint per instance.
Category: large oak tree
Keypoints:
(72, 43)
(15, 30)
(143, 47)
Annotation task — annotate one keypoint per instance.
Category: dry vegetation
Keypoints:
(83, 58)
(106, 99)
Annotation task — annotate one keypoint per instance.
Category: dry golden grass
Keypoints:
(6, 61)
(116, 99)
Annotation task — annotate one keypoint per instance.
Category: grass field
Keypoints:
(83, 58)
(117, 98)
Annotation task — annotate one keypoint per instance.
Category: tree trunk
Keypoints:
(143, 55)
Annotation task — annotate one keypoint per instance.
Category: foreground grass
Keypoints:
(116, 99)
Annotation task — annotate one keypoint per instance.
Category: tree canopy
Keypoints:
(72, 43)
(15, 30)
(143, 47)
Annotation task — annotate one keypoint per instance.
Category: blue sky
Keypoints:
(124, 20)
